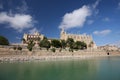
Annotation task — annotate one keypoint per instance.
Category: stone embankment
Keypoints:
(7, 54)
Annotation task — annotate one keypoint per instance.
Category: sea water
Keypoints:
(103, 68)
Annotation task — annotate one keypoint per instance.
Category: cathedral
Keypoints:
(36, 37)
(84, 38)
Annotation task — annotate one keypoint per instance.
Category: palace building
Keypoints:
(84, 38)
(36, 37)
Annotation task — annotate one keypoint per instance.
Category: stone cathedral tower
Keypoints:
(78, 37)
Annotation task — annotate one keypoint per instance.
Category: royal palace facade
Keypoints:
(36, 37)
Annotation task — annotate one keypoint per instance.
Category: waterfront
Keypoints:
(103, 68)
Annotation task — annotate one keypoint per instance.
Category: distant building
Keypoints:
(36, 37)
(108, 47)
(84, 38)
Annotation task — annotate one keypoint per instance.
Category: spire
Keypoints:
(36, 33)
(63, 30)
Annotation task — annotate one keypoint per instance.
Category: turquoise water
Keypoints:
(107, 68)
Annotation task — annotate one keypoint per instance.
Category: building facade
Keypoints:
(36, 37)
(109, 47)
(84, 38)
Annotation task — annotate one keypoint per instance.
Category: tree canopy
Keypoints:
(45, 43)
(70, 42)
(56, 43)
(63, 43)
(30, 45)
(3, 41)
(79, 45)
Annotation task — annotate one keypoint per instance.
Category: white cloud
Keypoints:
(76, 18)
(16, 21)
(33, 30)
(102, 33)
(106, 19)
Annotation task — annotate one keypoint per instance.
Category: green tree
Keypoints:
(30, 45)
(53, 49)
(63, 43)
(19, 48)
(56, 43)
(70, 43)
(3, 41)
(45, 43)
(79, 45)
(83, 45)
(14, 47)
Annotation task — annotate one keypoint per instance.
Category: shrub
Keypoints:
(60, 49)
(53, 49)
(29, 48)
(47, 48)
(30, 45)
(56, 43)
(19, 48)
(14, 47)
(70, 50)
(3, 41)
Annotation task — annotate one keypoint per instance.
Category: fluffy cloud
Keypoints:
(76, 18)
(17, 18)
(33, 30)
(16, 21)
(103, 32)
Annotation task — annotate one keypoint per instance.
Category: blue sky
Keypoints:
(99, 18)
